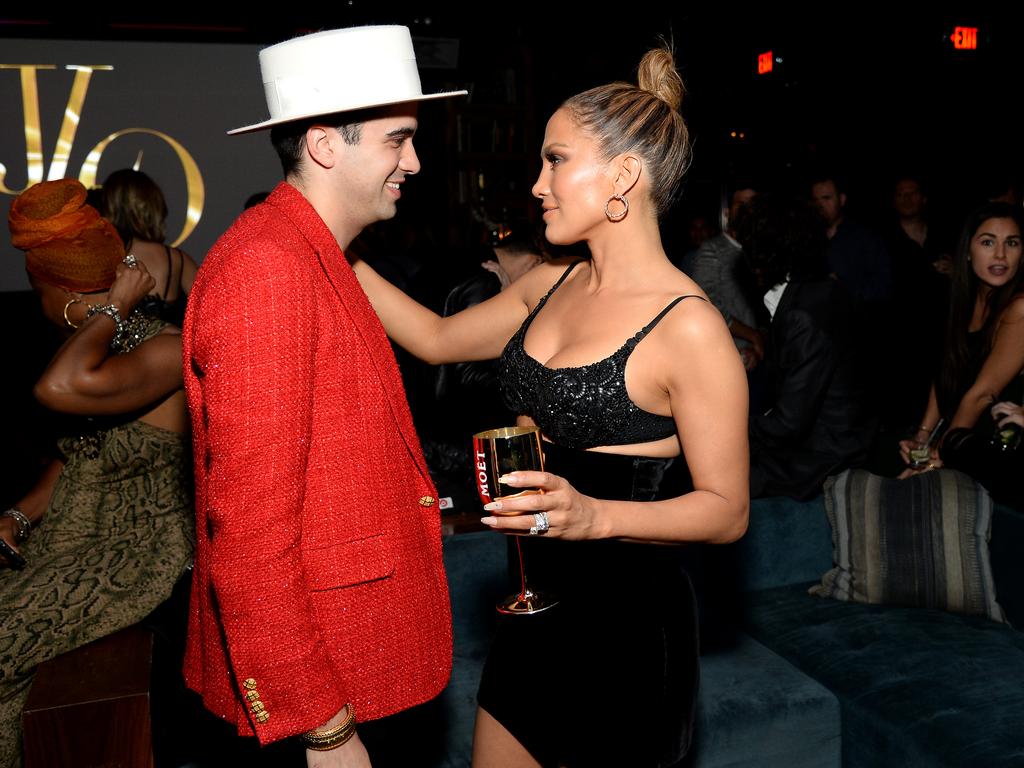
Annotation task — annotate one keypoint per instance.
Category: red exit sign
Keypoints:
(965, 38)
(764, 63)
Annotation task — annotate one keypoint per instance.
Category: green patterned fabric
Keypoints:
(920, 542)
(116, 537)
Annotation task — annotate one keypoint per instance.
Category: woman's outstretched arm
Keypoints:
(477, 333)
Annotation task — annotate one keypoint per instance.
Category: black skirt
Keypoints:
(608, 677)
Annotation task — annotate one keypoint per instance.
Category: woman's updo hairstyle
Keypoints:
(644, 119)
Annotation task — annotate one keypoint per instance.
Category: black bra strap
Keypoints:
(170, 273)
(650, 326)
(561, 280)
(546, 296)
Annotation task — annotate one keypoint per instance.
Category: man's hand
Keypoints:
(943, 265)
(351, 754)
(496, 268)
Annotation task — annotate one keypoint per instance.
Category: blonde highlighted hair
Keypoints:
(643, 119)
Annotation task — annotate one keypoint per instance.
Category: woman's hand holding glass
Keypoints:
(570, 514)
(920, 454)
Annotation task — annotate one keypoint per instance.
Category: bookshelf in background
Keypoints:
(496, 138)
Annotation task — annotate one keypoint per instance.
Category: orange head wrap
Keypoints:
(67, 242)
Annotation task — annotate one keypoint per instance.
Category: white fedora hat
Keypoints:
(337, 71)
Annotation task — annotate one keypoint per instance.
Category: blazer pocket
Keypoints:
(349, 563)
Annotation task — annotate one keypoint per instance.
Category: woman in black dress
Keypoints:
(626, 368)
(983, 355)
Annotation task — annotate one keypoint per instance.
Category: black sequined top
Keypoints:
(583, 406)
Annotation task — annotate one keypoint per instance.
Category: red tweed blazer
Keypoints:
(318, 577)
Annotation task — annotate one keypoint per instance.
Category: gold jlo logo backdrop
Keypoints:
(33, 77)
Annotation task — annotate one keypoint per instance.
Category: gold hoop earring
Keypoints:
(71, 302)
(621, 214)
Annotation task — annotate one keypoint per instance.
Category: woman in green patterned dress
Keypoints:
(108, 530)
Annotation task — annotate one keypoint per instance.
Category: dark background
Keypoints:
(870, 91)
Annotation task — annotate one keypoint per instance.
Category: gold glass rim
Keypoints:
(505, 432)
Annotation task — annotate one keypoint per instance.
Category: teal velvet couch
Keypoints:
(916, 687)
(792, 681)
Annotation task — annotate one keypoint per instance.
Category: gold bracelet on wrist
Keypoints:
(322, 741)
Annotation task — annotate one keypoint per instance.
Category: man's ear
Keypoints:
(628, 169)
(321, 146)
(842, 199)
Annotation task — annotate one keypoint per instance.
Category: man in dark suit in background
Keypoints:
(812, 421)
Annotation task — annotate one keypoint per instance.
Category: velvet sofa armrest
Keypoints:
(1005, 548)
(788, 542)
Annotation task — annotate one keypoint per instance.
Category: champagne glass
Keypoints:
(498, 452)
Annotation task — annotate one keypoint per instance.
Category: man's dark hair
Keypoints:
(738, 184)
(910, 175)
(828, 174)
(783, 237)
(289, 139)
(521, 236)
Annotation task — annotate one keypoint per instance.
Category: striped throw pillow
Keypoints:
(920, 542)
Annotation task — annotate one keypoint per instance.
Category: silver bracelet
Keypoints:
(110, 311)
(22, 525)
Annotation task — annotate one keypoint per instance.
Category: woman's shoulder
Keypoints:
(1014, 310)
(685, 319)
(543, 278)
(690, 315)
(148, 249)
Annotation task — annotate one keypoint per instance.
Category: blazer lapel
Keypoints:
(368, 325)
(357, 306)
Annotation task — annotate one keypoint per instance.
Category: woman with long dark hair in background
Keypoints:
(983, 355)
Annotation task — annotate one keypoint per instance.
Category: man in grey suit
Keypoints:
(715, 269)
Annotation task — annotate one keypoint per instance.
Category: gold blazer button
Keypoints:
(262, 717)
(249, 684)
(426, 501)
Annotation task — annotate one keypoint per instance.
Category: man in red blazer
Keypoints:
(318, 591)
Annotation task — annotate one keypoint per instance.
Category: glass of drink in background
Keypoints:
(920, 452)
